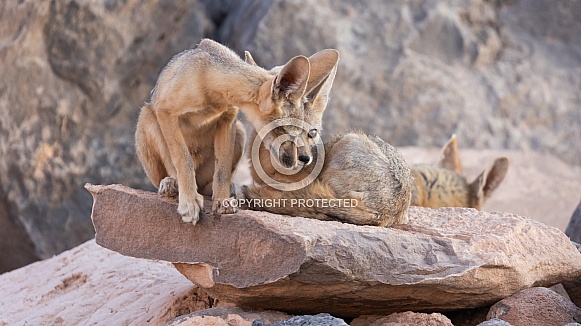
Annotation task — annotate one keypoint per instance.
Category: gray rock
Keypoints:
(227, 316)
(445, 259)
(74, 75)
(495, 322)
(316, 320)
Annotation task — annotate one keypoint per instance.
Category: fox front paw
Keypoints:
(190, 210)
(168, 187)
(224, 206)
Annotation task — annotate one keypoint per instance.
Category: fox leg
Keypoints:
(224, 151)
(191, 202)
(153, 152)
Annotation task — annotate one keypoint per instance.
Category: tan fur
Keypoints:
(188, 136)
(357, 166)
(445, 186)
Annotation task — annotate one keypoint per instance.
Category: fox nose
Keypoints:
(305, 159)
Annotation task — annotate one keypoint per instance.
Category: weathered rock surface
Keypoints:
(535, 307)
(229, 316)
(307, 320)
(538, 186)
(74, 75)
(91, 285)
(403, 319)
(499, 74)
(443, 260)
(495, 322)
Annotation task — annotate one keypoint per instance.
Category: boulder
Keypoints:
(227, 316)
(306, 320)
(494, 322)
(74, 75)
(403, 319)
(92, 285)
(445, 259)
(535, 307)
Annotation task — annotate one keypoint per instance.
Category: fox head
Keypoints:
(294, 101)
(445, 186)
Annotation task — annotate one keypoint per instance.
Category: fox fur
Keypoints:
(187, 136)
(445, 186)
(357, 166)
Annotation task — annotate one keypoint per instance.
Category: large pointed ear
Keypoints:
(323, 71)
(249, 59)
(449, 158)
(292, 79)
(489, 180)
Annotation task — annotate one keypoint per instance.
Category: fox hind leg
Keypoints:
(151, 148)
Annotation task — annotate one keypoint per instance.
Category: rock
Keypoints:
(91, 285)
(17, 249)
(316, 320)
(494, 322)
(403, 319)
(484, 70)
(539, 186)
(573, 289)
(574, 227)
(535, 306)
(74, 75)
(230, 316)
(445, 259)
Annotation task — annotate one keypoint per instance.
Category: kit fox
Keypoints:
(445, 186)
(364, 170)
(187, 136)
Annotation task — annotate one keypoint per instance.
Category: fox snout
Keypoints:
(291, 156)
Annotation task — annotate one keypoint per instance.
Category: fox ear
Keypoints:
(489, 180)
(292, 79)
(249, 59)
(323, 70)
(449, 158)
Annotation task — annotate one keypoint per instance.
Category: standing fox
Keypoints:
(187, 136)
(445, 186)
(356, 167)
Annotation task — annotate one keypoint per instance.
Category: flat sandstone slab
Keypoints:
(443, 259)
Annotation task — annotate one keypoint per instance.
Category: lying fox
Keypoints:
(356, 167)
(445, 186)
(187, 136)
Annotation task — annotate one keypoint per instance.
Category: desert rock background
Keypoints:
(505, 76)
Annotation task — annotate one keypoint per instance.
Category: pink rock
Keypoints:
(445, 259)
(535, 307)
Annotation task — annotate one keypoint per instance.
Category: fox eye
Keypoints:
(313, 133)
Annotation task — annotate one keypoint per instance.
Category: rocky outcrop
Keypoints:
(443, 259)
(92, 285)
(76, 72)
(536, 307)
(499, 74)
(74, 75)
